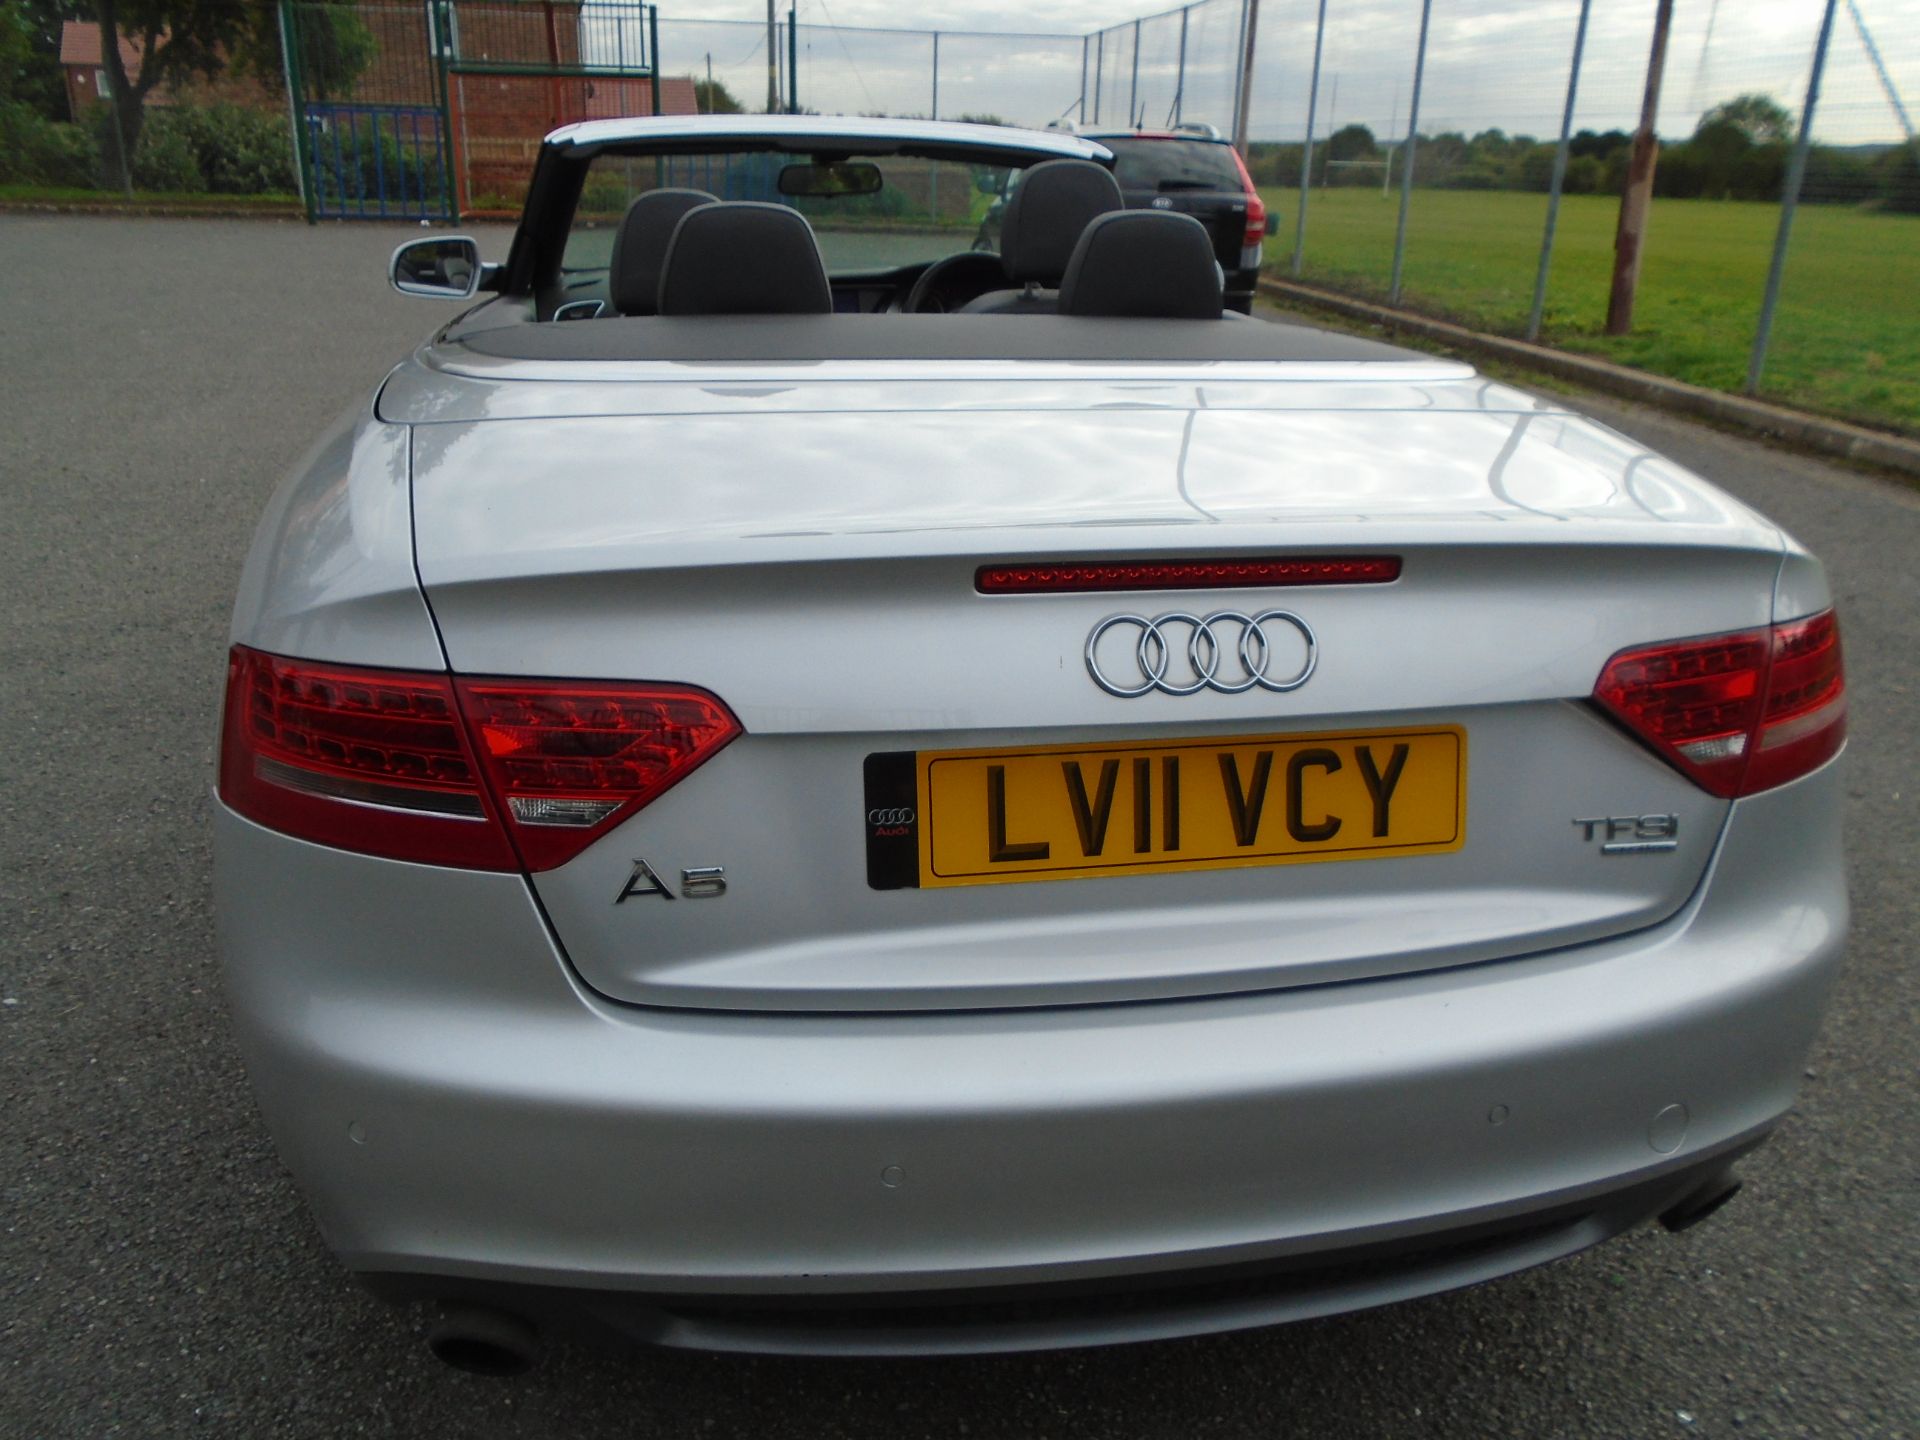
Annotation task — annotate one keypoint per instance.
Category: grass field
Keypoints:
(1846, 338)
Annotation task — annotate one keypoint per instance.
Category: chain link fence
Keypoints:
(1495, 80)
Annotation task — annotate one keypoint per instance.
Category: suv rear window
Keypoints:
(1141, 164)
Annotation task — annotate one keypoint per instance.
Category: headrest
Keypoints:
(1050, 207)
(744, 258)
(1143, 263)
(640, 247)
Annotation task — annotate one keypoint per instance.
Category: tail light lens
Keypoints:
(567, 762)
(481, 774)
(1256, 207)
(1736, 713)
(1256, 220)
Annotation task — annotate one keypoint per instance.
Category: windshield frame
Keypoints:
(560, 170)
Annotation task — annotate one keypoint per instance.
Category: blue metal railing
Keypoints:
(377, 162)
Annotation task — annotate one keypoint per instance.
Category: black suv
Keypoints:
(1193, 171)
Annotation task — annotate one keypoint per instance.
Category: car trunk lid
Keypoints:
(810, 551)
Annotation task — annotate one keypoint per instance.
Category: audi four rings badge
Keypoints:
(1181, 654)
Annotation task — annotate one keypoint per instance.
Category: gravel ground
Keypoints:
(159, 1273)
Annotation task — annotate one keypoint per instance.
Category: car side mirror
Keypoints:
(444, 267)
(1273, 223)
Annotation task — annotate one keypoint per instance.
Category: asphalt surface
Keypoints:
(159, 1272)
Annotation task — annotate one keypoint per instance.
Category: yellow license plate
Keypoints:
(981, 817)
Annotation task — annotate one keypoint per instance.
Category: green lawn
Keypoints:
(1846, 338)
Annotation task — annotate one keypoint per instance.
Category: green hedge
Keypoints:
(218, 150)
(38, 151)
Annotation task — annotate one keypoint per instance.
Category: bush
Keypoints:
(1584, 174)
(1898, 175)
(241, 152)
(164, 158)
(38, 151)
(221, 148)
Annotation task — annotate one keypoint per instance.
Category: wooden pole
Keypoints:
(1638, 197)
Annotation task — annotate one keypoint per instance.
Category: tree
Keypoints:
(1716, 150)
(175, 40)
(1599, 146)
(1761, 118)
(334, 45)
(711, 97)
(1351, 142)
(30, 55)
(1897, 172)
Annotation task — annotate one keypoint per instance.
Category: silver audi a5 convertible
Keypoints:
(787, 784)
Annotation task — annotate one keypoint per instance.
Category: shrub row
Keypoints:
(216, 149)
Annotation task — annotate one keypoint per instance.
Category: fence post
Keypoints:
(1099, 71)
(1180, 75)
(1559, 176)
(936, 76)
(1789, 201)
(453, 171)
(1412, 147)
(653, 58)
(1240, 78)
(289, 68)
(1306, 150)
(1243, 101)
(1133, 90)
(793, 59)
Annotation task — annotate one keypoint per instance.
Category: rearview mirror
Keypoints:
(829, 182)
(445, 267)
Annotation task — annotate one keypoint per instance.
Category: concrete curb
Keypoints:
(1814, 432)
(161, 210)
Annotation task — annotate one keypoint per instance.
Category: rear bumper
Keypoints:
(457, 1106)
(1109, 1310)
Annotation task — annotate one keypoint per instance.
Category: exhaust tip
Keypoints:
(1701, 1203)
(483, 1342)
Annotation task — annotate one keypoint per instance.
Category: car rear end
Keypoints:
(821, 865)
(1192, 171)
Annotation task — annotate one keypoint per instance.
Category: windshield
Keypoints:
(924, 209)
(1141, 164)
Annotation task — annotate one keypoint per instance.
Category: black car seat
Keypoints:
(1052, 204)
(640, 247)
(744, 258)
(1143, 263)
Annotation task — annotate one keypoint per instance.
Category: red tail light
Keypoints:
(1256, 207)
(567, 762)
(1736, 713)
(384, 761)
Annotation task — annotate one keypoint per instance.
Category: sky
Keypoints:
(1490, 63)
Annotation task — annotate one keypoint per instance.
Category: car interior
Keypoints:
(1068, 247)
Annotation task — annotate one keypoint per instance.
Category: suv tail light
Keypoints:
(1736, 713)
(1256, 207)
(481, 774)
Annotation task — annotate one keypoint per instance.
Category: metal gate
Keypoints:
(376, 162)
(434, 109)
